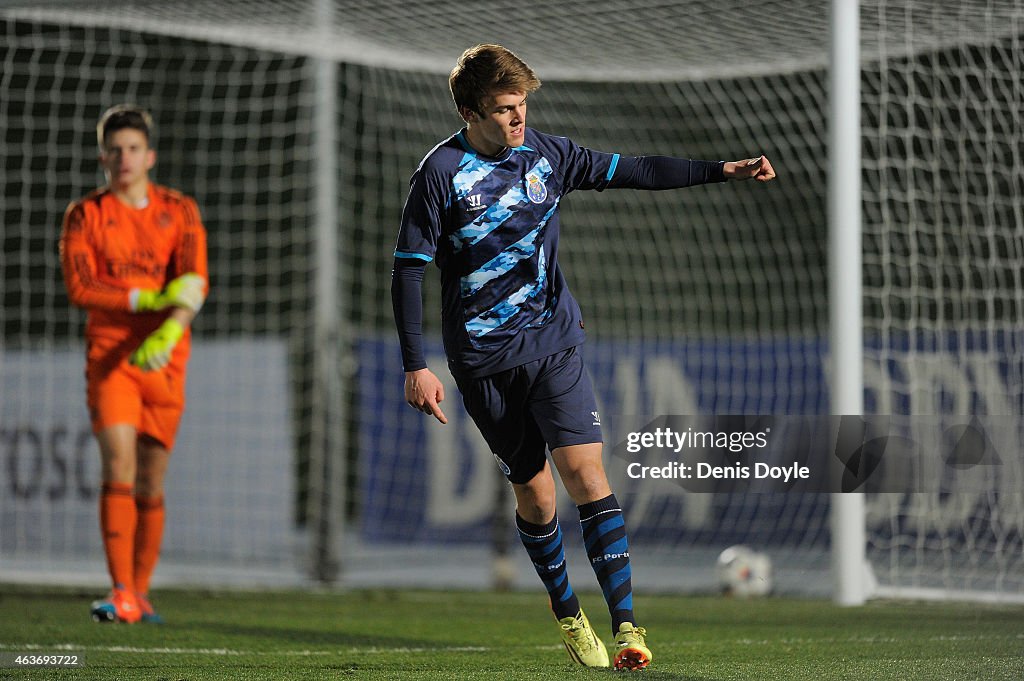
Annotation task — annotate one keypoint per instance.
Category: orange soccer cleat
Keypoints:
(120, 605)
(149, 614)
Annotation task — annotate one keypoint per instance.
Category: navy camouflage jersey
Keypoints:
(491, 226)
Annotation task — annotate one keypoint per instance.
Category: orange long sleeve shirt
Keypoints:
(107, 248)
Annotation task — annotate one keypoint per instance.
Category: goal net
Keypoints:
(943, 234)
(711, 300)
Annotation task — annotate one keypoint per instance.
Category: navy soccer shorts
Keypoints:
(544, 404)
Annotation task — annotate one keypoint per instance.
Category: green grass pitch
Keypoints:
(477, 635)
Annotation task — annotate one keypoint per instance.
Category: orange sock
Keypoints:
(118, 519)
(148, 535)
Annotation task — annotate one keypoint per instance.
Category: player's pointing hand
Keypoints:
(424, 392)
(758, 168)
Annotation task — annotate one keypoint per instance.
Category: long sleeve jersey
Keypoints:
(107, 248)
(491, 224)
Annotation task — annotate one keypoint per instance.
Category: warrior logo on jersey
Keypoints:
(536, 190)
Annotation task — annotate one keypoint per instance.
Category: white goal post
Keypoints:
(297, 125)
(846, 317)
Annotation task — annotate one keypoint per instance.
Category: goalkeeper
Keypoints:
(134, 256)
(483, 205)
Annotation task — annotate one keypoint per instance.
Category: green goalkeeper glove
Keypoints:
(185, 291)
(155, 351)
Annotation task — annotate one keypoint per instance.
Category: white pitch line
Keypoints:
(228, 652)
(858, 640)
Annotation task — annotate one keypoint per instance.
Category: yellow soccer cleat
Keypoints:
(631, 651)
(581, 641)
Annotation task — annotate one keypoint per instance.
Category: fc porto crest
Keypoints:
(536, 190)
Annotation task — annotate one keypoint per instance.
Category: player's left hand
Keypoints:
(155, 351)
(759, 168)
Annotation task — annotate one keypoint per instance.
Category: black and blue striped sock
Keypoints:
(604, 533)
(544, 544)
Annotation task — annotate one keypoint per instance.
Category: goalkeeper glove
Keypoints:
(155, 351)
(185, 291)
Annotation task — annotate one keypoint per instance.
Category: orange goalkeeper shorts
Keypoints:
(118, 392)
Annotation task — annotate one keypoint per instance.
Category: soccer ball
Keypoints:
(743, 572)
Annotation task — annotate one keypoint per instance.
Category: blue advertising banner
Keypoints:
(421, 481)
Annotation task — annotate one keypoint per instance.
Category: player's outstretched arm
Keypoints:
(758, 168)
(424, 392)
(657, 173)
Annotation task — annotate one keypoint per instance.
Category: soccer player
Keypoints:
(483, 205)
(134, 256)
